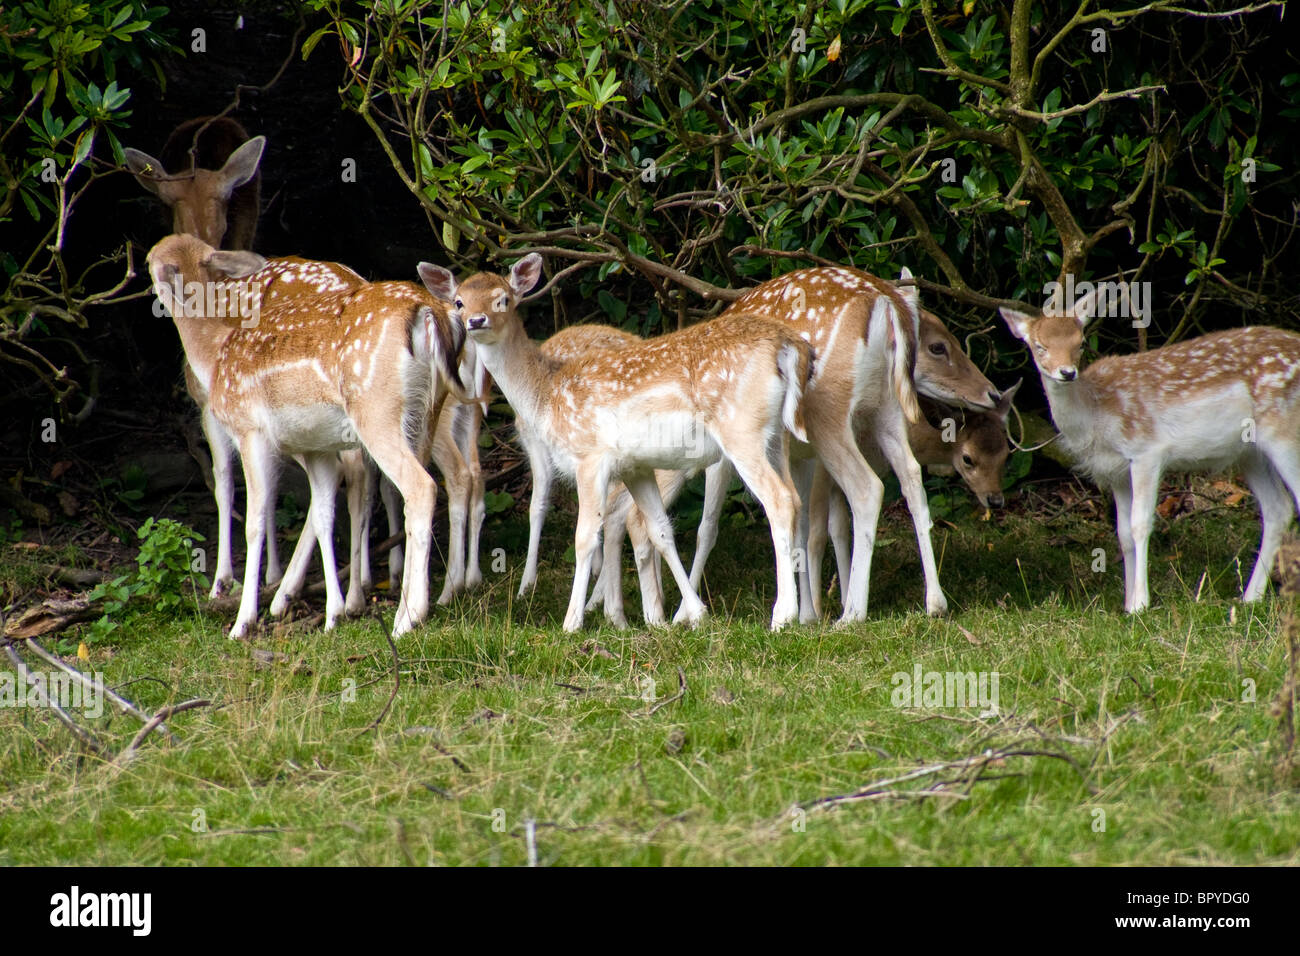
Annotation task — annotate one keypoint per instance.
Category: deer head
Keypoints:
(1055, 338)
(198, 198)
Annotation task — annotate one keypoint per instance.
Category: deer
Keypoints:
(210, 181)
(313, 373)
(1229, 399)
(865, 353)
(726, 387)
(573, 343)
(977, 451)
(208, 176)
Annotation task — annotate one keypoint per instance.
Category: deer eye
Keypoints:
(459, 304)
(968, 461)
(938, 348)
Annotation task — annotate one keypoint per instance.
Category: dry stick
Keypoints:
(123, 704)
(156, 721)
(681, 692)
(83, 735)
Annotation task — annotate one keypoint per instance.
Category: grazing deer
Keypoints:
(726, 387)
(977, 451)
(313, 374)
(1224, 400)
(865, 334)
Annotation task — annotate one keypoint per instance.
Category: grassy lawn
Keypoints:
(1117, 739)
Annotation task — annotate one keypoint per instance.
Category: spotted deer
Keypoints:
(978, 451)
(367, 366)
(865, 333)
(727, 387)
(213, 194)
(573, 344)
(1224, 400)
(971, 444)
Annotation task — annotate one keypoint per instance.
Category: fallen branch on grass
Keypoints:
(86, 737)
(968, 772)
(50, 616)
(154, 722)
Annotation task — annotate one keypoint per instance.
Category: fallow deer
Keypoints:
(1224, 400)
(209, 178)
(341, 368)
(726, 387)
(865, 356)
(211, 184)
(977, 451)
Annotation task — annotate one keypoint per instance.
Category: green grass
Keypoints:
(502, 718)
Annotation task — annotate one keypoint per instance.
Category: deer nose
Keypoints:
(996, 501)
(479, 321)
(1068, 373)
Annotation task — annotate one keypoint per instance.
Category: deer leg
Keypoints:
(593, 492)
(839, 527)
(1145, 477)
(809, 607)
(608, 589)
(1275, 510)
(323, 476)
(403, 468)
(467, 424)
(359, 478)
(295, 575)
(273, 570)
(865, 491)
(259, 483)
(648, 572)
(717, 479)
(645, 491)
(223, 490)
(775, 491)
(392, 509)
(817, 508)
(456, 478)
(891, 436)
(1123, 492)
(539, 465)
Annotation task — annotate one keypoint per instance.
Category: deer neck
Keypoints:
(202, 339)
(520, 370)
(1075, 412)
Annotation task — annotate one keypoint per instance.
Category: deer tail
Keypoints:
(794, 362)
(904, 366)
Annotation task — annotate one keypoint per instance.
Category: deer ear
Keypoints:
(525, 273)
(1085, 307)
(241, 166)
(1018, 322)
(233, 264)
(1003, 407)
(145, 169)
(439, 281)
